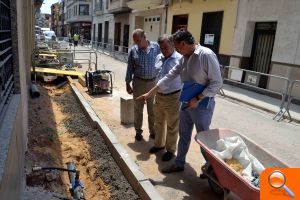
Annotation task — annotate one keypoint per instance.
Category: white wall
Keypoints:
(285, 12)
(144, 13)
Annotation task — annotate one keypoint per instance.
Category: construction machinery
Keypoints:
(99, 82)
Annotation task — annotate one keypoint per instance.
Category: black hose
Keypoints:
(54, 168)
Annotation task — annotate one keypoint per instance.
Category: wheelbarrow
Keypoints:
(221, 178)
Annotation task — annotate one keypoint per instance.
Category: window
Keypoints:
(6, 55)
(83, 9)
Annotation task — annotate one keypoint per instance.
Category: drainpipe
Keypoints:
(166, 19)
(237, 12)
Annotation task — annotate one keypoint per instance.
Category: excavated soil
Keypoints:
(60, 133)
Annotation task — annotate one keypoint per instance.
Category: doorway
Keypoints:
(100, 34)
(263, 41)
(125, 38)
(262, 49)
(106, 30)
(211, 30)
(117, 36)
(179, 22)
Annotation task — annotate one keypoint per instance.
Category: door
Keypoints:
(106, 30)
(211, 30)
(100, 34)
(117, 36)
(179, 22)
(94, 33)
(262, 49)
(151, 27)
(126, 38)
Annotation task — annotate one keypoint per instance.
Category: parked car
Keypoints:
(49, 35)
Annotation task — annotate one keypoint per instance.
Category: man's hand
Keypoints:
(193, 103)
(149, 94)
(144, 97)
(129, 88)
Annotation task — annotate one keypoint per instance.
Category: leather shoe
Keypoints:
(172, 168)
(152, 136)
(138, 136)
(155, 149)
(167, 156)
(203, 176)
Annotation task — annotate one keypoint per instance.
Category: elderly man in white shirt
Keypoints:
(166, 104)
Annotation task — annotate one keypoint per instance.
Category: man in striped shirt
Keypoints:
(199, 65)
(141, 72)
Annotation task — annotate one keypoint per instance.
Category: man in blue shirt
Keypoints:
(166, 104)
(141, 72)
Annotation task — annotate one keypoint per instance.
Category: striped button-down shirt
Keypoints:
(201, 67)
(142, 63)
(163, 66)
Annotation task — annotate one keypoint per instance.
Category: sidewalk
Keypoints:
(260, 101)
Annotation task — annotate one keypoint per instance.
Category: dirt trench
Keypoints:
(60, 133)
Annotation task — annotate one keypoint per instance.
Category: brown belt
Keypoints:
(162, 94)
(143, 79)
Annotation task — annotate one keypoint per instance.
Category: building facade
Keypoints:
(55, 18)
(103, 24)
(211, 23)
(78, 17)
(149, 15)
(121, 13)
(17, 42)
(267, 40)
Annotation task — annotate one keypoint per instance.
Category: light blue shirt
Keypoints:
(142, 63)
(163, 66)
(201, 67)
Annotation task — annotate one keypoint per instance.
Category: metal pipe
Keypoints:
(34, 91)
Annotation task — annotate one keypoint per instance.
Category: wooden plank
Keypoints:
(58, 71)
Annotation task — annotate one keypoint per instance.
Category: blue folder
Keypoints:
(191, 90)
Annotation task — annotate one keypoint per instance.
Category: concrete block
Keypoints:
(106, 133)
(148, 191)
(126, 110)
(129, 168)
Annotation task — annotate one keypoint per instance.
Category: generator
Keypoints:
(66, 58)
(99, 82)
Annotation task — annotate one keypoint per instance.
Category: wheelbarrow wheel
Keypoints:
(215, 187)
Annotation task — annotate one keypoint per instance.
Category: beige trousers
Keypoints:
(166, 110)
(141, 87)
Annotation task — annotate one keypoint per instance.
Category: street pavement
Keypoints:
(282, 139)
